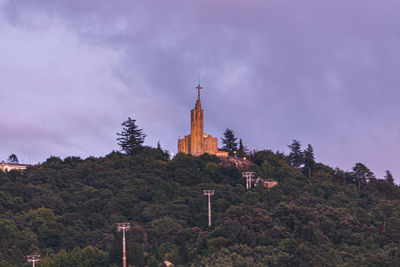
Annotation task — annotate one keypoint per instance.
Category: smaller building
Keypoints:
(7, 166)
(270, 184)
(266, 183)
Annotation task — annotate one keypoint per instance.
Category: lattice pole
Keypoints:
(124, 227)
(33, 259)
(209, 193)
(249, 178)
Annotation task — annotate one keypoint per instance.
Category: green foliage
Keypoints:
(360, 170)
(240, 153)
(13, 158)
(77, 257)
(229, 142)
(67, 211)
(131, 138)
(389, 177)
(296, 156)
(361, 174)
(309, 160)
(53, 161)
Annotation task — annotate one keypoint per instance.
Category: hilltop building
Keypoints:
(198, 142)
(7, 166)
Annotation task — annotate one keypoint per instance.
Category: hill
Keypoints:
(67, 210)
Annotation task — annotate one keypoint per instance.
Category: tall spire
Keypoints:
(198, 88)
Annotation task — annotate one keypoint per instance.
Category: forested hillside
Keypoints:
(67, 211)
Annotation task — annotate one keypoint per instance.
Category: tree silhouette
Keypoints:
(131, 138)
(240, 153)
(229, 141)
(362, 174)
(13, 158)
(295, 157)
(389, 177)
(309, 160)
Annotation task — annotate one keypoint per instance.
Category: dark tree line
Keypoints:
(67, 210)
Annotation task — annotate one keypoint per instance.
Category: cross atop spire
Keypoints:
(198, 88)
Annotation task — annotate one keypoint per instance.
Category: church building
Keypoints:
(198, 143)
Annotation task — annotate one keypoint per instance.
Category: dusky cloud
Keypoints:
(323, 72)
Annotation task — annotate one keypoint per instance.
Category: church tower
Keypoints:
(198, 143)
(197, 127)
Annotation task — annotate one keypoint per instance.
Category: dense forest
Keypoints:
(67, 210)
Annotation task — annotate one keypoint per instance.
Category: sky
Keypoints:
(326, 73)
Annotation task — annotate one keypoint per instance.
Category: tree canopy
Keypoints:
(229, 141)
(240, 152)
(67, 211)
(389, 177)
(131, 138)
(309, 160)
(296, 156)
(13, 158)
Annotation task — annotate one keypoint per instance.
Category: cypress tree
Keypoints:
(309, 160)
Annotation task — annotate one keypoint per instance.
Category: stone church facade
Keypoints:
(197, 142)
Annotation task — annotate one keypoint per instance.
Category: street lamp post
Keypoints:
(124, 227)
(33, 259)
(209, 193)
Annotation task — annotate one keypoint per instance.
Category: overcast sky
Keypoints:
(322, 72)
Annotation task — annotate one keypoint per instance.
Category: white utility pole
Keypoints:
(124, 227)
(33, 259)
(249, 178)
(209, 193)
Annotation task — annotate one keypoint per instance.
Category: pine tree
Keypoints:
(229, 141)
(361, 174)
(159, 145)
(389, 177)
(131, 138)
(309, 160)
(240, 153)
(296, 156)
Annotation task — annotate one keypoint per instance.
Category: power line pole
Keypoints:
(249, 178)
(33, 259)
(124, 227)
(209, 193)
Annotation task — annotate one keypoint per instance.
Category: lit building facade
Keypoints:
(197, 142)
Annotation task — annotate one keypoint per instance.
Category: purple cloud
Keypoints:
(325, 73)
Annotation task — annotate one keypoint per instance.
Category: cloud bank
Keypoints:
(326, 73)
